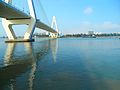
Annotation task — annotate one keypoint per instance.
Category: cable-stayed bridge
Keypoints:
(13, 16)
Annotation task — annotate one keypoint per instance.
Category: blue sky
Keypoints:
(76, 16)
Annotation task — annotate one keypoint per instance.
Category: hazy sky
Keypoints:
(76, 16)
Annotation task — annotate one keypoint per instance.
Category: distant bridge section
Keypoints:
(43, 26)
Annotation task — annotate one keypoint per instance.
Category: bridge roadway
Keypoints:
(11, 13)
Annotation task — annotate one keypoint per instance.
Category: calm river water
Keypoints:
(61, 64)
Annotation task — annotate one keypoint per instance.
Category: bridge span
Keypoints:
(13, 16)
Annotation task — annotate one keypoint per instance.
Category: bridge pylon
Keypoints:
(31, 22)
(54, 23)
(8, 1)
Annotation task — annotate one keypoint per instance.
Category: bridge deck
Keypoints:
(41, 25)
(9, 12)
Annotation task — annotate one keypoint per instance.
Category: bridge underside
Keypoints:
(9, 12)
(43, 26)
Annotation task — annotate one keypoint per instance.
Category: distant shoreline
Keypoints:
(94, 37)
(71, 36)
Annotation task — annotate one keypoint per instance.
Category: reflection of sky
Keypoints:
(81, 65)
(89, 64)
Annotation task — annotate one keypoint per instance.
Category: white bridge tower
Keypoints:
(54, 24)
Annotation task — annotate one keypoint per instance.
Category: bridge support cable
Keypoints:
(54, 23)
(43, 13)
(25, 7)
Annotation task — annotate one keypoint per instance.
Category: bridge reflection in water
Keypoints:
(21, 59)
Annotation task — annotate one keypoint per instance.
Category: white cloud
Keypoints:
(103, 27)
(88, 10)
(108, 26)
(85, 26)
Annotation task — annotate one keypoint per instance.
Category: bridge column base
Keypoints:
(53, 35)
(19, 40)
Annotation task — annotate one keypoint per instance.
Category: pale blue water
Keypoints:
(61, 64)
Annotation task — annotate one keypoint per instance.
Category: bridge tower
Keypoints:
(31, 22)
(54, 23)
(8, 1)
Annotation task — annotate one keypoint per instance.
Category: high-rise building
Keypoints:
(90, 32)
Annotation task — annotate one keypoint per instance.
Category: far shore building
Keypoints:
(90, 32)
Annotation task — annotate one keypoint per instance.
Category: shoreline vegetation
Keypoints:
(91, 35)
(111, 35)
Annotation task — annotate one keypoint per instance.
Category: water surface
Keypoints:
(60, 64)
